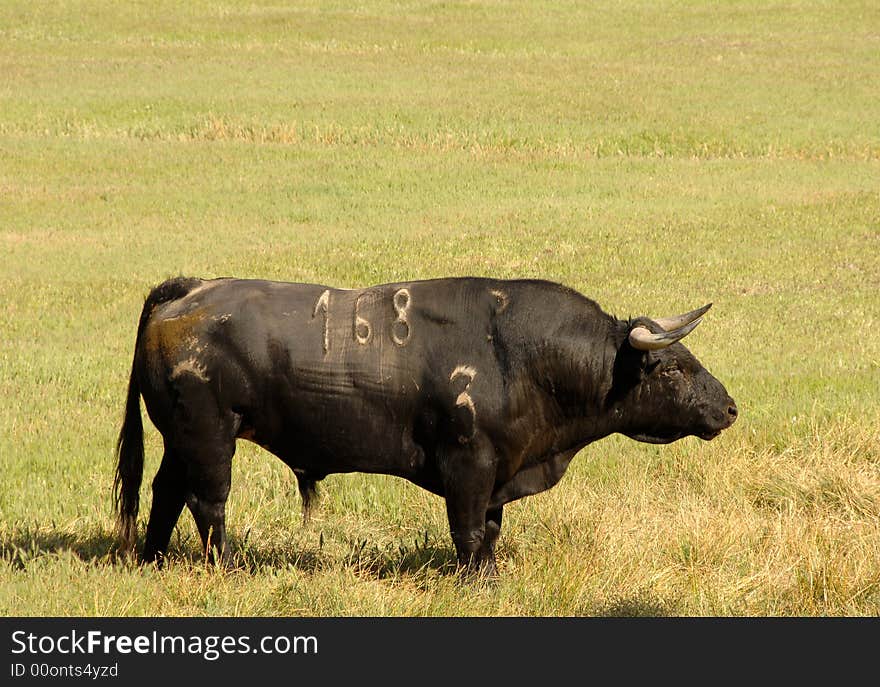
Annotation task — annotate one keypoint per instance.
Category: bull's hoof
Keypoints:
(478, 571)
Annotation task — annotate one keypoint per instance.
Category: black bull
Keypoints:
(478, 390)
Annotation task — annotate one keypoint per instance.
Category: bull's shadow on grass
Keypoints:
(24, 544)
(362, 555)
(400, 559)
(256, 559)
(641, 604)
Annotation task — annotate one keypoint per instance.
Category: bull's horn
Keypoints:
(644, 339)
(673, 323)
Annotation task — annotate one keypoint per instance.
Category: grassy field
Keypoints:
(653, 155)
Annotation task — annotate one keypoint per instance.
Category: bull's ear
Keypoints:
(650, 360)
(643, 339)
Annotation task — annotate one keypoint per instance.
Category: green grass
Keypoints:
(655, 156)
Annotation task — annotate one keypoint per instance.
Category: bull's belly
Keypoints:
(325, 436)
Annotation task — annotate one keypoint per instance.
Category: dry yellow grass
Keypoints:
(730, 528)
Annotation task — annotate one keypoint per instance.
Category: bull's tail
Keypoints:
(129, 466)
(130, 445)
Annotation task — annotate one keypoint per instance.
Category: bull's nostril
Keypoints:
(732, 411)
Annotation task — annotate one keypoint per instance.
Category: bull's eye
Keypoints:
(671, 370)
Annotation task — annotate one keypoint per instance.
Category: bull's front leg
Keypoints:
(493, 530)
(468, 472)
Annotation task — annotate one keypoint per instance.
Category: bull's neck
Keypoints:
(572, 375)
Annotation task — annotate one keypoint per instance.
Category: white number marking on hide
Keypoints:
(502, 299)
(362, 329)
(464, 399)
(323, 304)
(401, 302)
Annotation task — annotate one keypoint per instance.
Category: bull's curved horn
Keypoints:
(672, 323)
(644, 339)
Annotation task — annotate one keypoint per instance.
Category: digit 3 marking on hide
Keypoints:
(323, 303)
(401, 301)
(464, 399)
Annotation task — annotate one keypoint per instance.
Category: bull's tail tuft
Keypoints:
(130, 445)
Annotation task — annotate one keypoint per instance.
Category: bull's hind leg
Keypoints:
(169, 492)
(202, 438)
(208, 479)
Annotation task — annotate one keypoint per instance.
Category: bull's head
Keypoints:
(661, 390)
